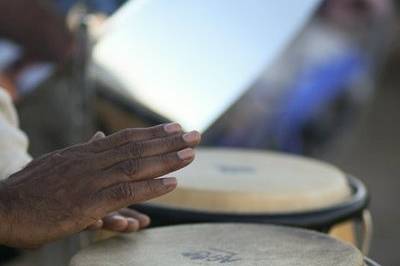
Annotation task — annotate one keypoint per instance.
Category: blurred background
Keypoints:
(332, 92)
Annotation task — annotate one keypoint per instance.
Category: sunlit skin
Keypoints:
(89, 185)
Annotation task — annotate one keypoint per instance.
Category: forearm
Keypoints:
(5, 225)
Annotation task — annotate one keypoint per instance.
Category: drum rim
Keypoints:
(320, 219)
(370, 262)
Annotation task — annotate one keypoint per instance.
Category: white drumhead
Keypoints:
(232, 180)
(220, 244)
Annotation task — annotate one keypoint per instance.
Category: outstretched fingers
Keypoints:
(153, 147)
(146, 168)
(132, 135)
(125, 194)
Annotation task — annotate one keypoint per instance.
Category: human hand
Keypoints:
(68, 190)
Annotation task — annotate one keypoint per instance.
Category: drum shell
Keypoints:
(114, 112)
(320, 220)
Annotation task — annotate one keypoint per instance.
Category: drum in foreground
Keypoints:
(216, 244)
(229, 185)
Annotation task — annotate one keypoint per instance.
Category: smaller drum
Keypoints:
(216, 244)
(231, 185)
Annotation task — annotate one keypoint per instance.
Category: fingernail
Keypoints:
(131, 220)
(118, 217)
(133, 223)
(170, 182)
(191, 136)
(99, 134)
(172, 128)
(186, 154)
(144, 220)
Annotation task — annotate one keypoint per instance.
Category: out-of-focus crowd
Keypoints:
(315, 88)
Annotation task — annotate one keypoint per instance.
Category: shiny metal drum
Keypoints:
(197, 56)
(216, 244)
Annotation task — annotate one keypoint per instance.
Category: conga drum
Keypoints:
(231, 185)
(225, 243)
(157, 71)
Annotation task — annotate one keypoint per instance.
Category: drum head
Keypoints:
(243, 181)
(216, 244)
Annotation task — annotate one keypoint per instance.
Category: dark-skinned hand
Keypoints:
(125, 220)
(69, 190)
